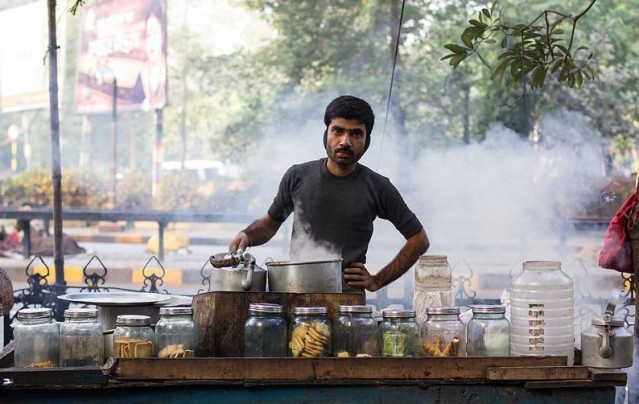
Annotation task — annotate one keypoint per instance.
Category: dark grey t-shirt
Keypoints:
(338, 212)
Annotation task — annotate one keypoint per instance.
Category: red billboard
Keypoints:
(123, 42)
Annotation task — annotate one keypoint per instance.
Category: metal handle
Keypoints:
(605, 350)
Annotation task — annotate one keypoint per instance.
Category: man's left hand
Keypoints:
(357, 275)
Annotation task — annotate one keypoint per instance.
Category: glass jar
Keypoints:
(355, 333)
(433, 285)
(265, 331)
(175, 333)
(443, 334)
(488, 332)
(399, 334)
(37, 339)
(81, 338)
(309, 333)
(133, 336)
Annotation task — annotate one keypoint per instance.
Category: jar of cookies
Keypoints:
(444, 334)
(309, 333)
(399, 334)
(175, 333)
(265, 331)
(37, 339)
(355, 333)
(133, 336)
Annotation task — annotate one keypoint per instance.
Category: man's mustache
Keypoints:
(344, 150)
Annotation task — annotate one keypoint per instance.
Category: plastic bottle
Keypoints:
(433, 285)
(542, 311)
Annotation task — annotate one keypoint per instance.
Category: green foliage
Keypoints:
(35, 188)
(134, 191)
(528, 52)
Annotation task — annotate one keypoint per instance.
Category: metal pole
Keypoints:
(59, 286)
(114, 144)
(158, 157)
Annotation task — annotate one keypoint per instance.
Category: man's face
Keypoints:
(345, 141)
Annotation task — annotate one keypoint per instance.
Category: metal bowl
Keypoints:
(305, 277)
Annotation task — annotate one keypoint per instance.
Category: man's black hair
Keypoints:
(349, 107)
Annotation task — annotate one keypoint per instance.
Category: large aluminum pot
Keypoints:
(305, 277)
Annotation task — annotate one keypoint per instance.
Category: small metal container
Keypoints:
(37, 339)
(175, 333)
(399, 334)
(133, 337)
(309, 333)
(81, 338)
(355, 333)
(607, 343)
(265, 331)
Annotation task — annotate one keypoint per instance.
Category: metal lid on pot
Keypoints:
(310, 310)
(34, 313)
(359, 309)
(81, 313)
(266, 308)
(442, 310)
(175, 311)
(487, 309)
(398, 313)
(615, 322)
(133, 320)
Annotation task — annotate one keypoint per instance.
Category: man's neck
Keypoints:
(338, 169)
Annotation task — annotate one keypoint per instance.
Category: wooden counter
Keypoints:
(424, 380)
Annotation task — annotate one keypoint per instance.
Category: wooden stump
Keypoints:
(220, 316)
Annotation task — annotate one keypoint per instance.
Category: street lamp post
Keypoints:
(13, 133)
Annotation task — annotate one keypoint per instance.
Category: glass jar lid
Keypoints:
(310, 310)
(398, 313)
(35, 313)
(133, 320)
(266, 308)
(442, 310)
(359, 309)
(488, 309)
(81, 313)
(175, 311)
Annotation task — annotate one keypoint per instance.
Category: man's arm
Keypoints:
(358, 276)
(257, 233)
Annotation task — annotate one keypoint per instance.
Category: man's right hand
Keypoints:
(257, 233)
(240, 242)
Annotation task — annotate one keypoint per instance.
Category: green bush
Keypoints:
(35, 187)
(134, 191)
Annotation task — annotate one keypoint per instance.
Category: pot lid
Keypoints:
(81, 313)
(34, 313)
(132, 320)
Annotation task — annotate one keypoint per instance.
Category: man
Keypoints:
(335, 201)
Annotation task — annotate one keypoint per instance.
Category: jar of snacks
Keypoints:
(133, 336)
(309, 332)
(81, 338)
(399, 334)
(265, 331)
(37, 339)
(355, 333)
(175, 333)
(443, 334)
(488, 332)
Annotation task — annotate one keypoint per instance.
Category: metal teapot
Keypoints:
(607, 343)
(236, 272)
